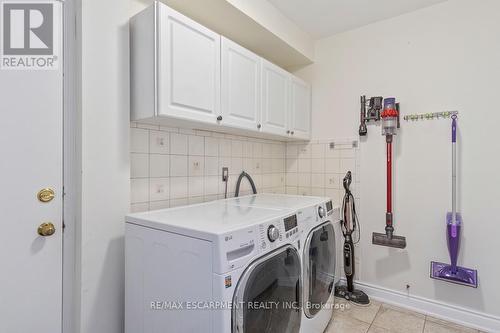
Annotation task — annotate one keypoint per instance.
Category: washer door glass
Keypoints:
(319, 267)
(268, 296)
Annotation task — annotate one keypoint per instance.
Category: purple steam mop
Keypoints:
(453, 273)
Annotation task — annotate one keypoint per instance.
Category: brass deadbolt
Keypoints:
(46, 195)
(46, 229)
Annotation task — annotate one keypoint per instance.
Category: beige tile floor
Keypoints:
(383, 318)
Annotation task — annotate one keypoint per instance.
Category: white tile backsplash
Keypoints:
(196, 166)
(211, 185)
(318, 150)
(347, 164)
(159, 204)
(318, 165)
(196, 186)
(178, 187)
(248, 149)
(196, 145)
(178, 144)
(292, 165)
(318, 169)
(332, 165)
(178, 166)
(236, 148)
(257, 150)
(139, 140)
(139, 189)
(304, 151)
(139, 165)
(211, 146)
(304, 165)
(159, 165)
(172, 166)
(211, 166)
(159, 142)
(224, 147)
(267, 151)
(292, 151)
(159, 189)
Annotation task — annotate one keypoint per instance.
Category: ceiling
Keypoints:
(323, 18)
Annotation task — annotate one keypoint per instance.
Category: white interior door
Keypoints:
(240, 80)
(31, 149)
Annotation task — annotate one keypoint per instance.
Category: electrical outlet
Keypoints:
(225, 174)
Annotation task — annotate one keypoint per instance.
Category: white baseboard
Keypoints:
(441, 310)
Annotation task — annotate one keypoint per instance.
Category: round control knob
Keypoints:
(273, 233)
(321, 212)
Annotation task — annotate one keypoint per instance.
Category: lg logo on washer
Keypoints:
(29, 38)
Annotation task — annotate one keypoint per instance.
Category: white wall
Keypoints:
(439, 58)
(270, 17)
(105, 166)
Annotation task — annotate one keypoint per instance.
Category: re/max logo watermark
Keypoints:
(28, 39)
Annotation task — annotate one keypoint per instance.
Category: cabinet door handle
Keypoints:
(219, 118)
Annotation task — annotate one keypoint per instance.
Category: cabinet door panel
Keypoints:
(300, 110)
(189, 68)
(241, 70)
(275, 99)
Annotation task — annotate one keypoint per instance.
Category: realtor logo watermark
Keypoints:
(28, 38)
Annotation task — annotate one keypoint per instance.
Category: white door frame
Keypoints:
(72, 166)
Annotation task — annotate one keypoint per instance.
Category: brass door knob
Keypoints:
(46, 229)
(46, 195)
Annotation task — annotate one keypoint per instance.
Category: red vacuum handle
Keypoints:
(389, 176)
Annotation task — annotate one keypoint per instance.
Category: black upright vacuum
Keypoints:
(350, 228)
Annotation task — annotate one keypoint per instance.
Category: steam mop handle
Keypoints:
(389, 175)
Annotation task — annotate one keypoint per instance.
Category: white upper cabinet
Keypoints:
(240, 86)
(185, 75)
(175, 67)
(189, 68)
(300, 109)
(275, 99)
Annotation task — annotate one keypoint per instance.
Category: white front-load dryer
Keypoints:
(320, 257)
(214, 268)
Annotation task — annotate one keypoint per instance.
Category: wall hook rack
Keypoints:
(430, 116)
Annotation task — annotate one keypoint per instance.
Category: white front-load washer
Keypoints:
(320, 250)
(214, 267)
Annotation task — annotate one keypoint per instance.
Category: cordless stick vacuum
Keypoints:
(445, 272)
(390, 121)
(349, 225)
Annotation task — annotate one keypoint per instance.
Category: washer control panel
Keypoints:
(273, 234)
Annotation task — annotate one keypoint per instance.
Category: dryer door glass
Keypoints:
(319, 267)
(268, 296)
